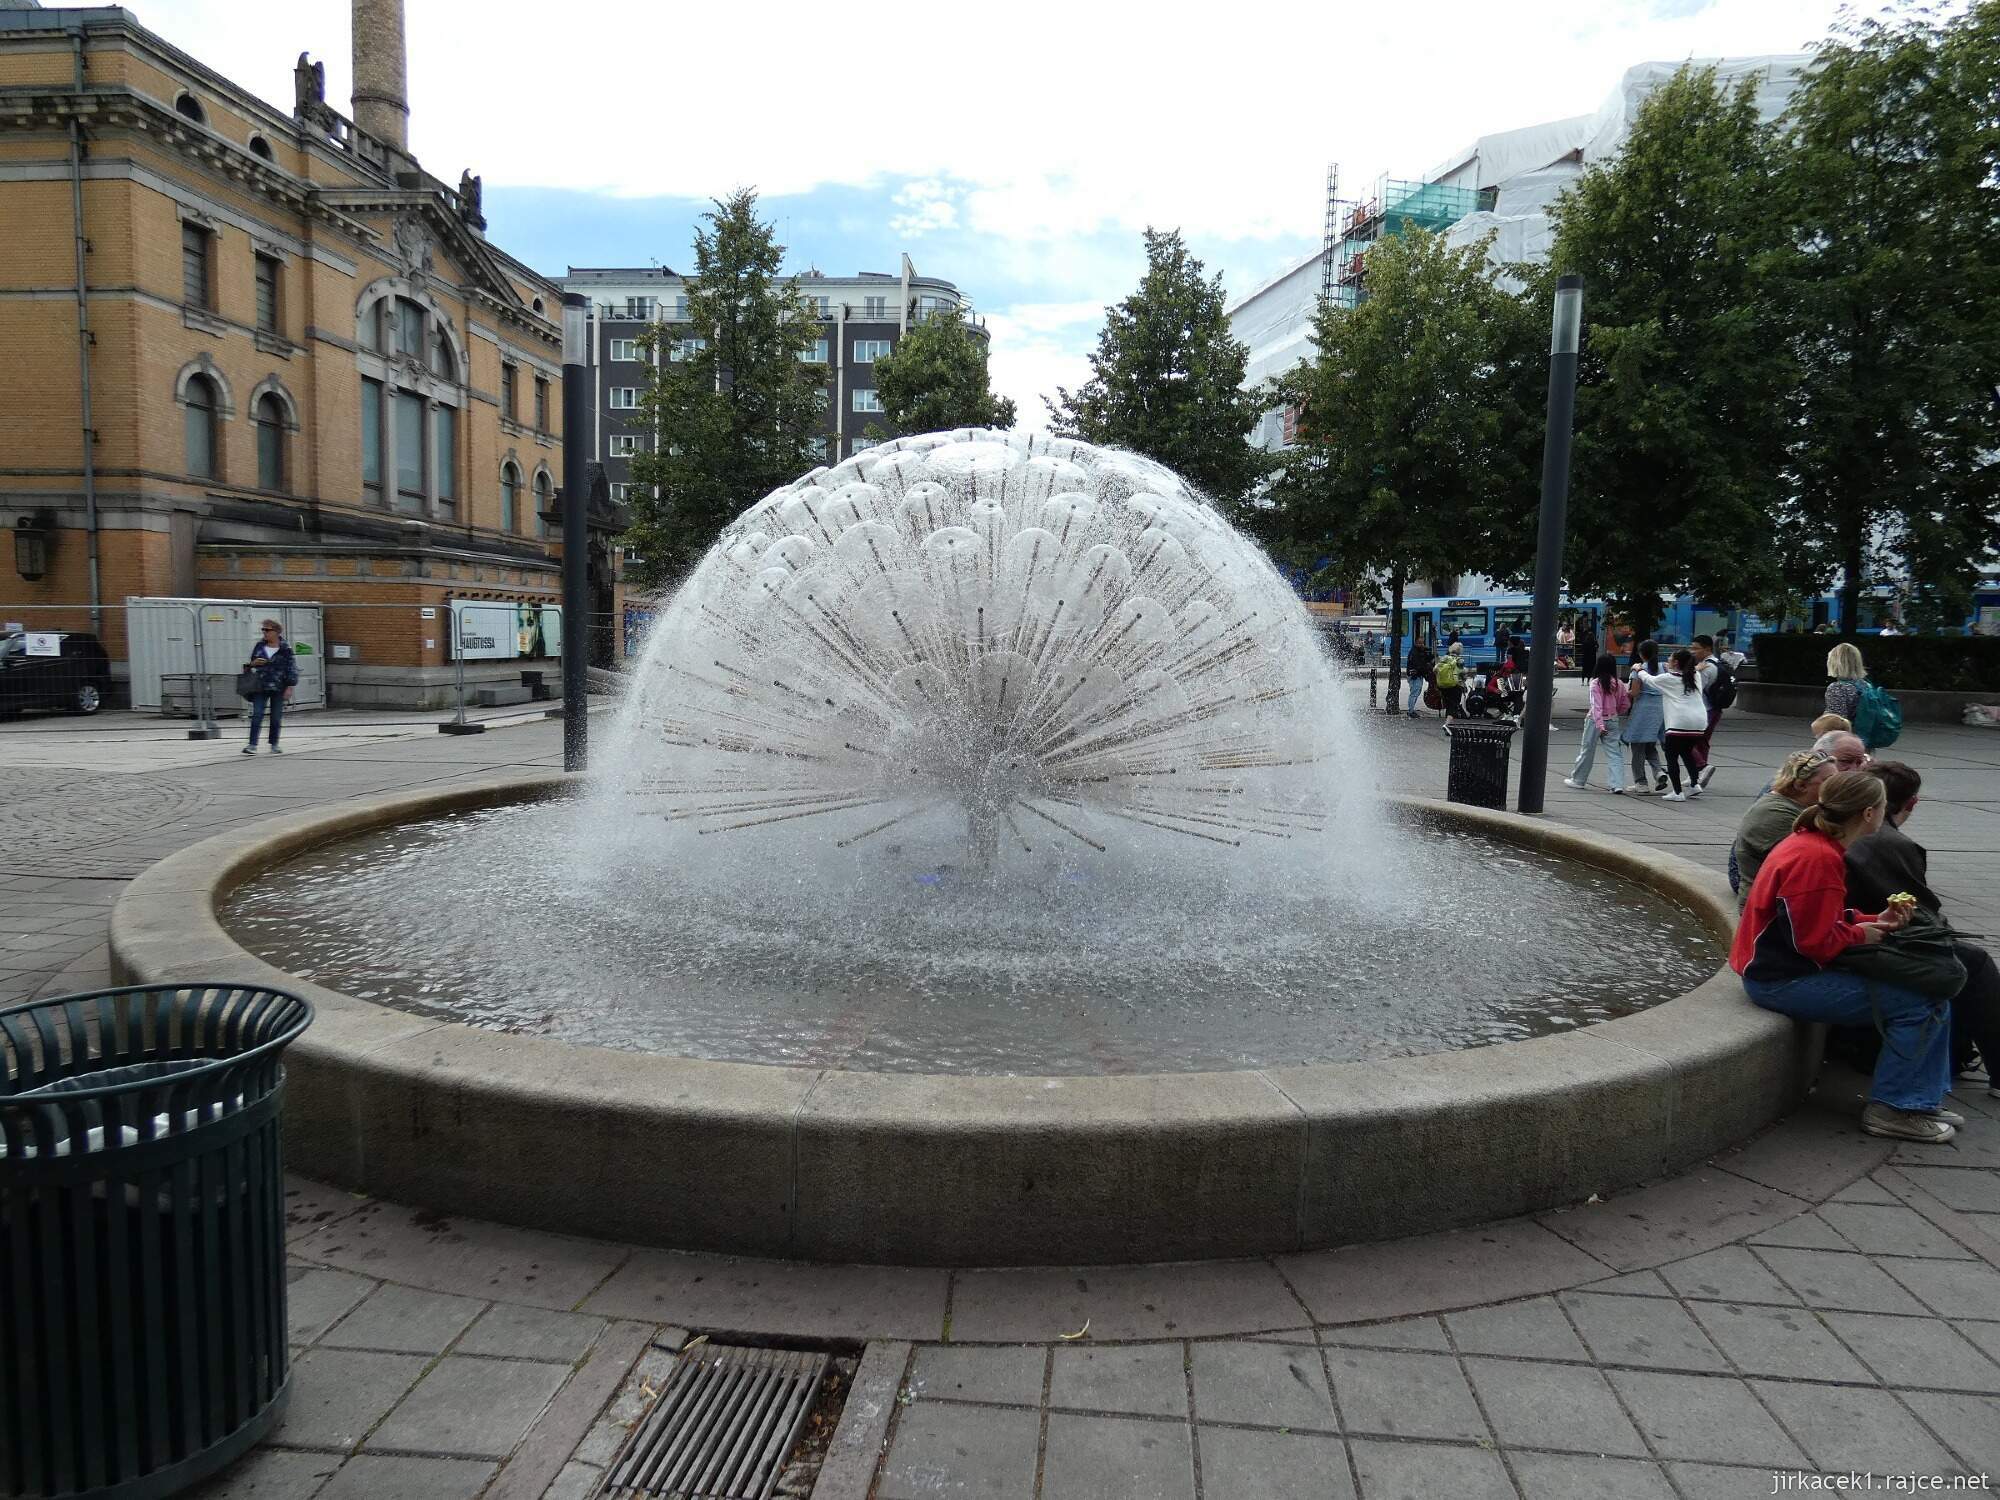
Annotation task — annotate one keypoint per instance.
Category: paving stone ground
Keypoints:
(1813, 1302)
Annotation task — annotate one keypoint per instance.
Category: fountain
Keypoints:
(984, 867)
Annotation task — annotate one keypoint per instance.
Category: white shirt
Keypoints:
(1684, 710)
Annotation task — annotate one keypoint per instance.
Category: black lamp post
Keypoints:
(575, 532)
(1549, 540)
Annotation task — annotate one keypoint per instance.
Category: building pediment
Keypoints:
(423, 234)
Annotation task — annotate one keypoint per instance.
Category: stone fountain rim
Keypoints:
(965, 1169)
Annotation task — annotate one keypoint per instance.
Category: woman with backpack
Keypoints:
(1646, 722)
(1686, 715)
(1450, 684)
(1876, 715)
(1608, 702)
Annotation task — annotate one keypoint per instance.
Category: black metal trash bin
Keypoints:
(1479, 754)
(142, 1236)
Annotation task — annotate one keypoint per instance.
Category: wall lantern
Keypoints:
(31, 546)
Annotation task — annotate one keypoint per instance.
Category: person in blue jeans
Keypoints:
(277, 674)
(1796, 924)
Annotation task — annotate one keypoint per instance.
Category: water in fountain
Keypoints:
(977, 753)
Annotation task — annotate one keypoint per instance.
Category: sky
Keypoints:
(1018, 153)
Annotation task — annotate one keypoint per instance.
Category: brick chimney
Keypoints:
(381, 86)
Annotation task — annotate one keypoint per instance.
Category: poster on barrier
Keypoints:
(497, 630)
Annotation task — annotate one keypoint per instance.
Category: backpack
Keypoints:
(1447, 672)
(1722, 691)
(1878, 717)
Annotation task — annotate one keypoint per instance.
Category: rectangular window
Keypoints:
(815, 355)
(1465, 620)
(860, 443)
(622, 492)
(409, 328)
(200, 423)
(510, 407)
(541, 404)
(681, 308)
(816, 446)
(624, 398)
(822, 305)
(686, 349)
(195, 280)
(867, 351)
(623, 444)
(626, 351)
(639, 307)
(270, 455)
(410, 487)
(371, 438)
(447, 454)
(267, 293)
(875, 307)
(865, 399)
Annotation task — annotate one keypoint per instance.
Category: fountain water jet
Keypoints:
(1046, 637)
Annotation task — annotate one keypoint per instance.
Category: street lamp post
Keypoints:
(1549, 540)
(575, 531)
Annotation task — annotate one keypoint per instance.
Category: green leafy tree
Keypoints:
(1890, 277)
(1683, 379)
(1414, 439)
(1167, 379)
(737, 410)
(936, 380)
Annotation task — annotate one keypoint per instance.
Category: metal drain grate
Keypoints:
(722, 1427)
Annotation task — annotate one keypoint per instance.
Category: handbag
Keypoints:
(1432, 697)
(1922, 956)
(249, 683)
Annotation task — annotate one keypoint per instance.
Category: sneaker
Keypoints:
(249, 749)
(1951, 1117)
(1575, 786)
(1895, 1124)
(1661, 784)
(1618, 791)
(1694, 788)
(1413, 713)
(1707, 774)
(1674, 797)
(276, 751)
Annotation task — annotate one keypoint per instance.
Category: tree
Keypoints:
(737, 411)
(1683, 379)
(1413, 454)
(1890, 278)
(1167, 379)
(936, 379)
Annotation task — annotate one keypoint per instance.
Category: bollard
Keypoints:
(1371, 687)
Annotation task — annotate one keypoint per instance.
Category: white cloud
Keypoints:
(927, 204)
(1027, 364)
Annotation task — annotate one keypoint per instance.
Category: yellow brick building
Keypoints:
(252, 354)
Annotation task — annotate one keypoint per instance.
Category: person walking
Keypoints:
(1888, 861)
(1686, 717)
(1769, 821)
(1451, 681)
(1586, 650)
(1718, 691)
(1421, 666)
(1847, 672)
(1796, 924)
(277, 674)
(1601, 726)
(1646, 723)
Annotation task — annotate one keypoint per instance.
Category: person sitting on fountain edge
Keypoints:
(1795, 927)
(1888, 861)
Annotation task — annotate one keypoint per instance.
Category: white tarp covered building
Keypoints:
(1523, 171)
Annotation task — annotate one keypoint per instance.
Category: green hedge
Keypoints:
(1952, 664)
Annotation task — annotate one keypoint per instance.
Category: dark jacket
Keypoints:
(274, 673)
(1884, 863)
(1422, 662)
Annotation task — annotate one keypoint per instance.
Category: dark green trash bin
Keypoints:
(142, 1236)
(1479, 754)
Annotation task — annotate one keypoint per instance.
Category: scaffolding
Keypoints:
(1394, 206)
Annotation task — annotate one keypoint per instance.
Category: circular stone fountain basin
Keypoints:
(925, 1168)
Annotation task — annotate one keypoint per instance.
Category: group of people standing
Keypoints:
(1665, 721)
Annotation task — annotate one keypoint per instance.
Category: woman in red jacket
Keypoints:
(1796, 923)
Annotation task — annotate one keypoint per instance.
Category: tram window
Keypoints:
(1464, 621)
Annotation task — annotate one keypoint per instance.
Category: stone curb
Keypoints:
(917, 1169)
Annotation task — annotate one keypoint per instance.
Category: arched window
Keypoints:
(510, 498)
(270, 418)
(190, 107)
(544, 498)
(443, 364)
(261, 147)
(202, 438)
